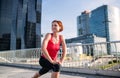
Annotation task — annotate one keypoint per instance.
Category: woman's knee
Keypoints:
(43, 71)
(56, 68)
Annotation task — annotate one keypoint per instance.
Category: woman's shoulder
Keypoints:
(48, 35)
(61, 37)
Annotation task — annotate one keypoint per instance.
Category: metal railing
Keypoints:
(101, 56)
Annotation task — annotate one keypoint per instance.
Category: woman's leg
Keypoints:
(36, 75)
(55, 74)
(45, 67)
(41, 72)
(56, 71)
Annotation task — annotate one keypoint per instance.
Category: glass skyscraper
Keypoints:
(20, 24)
(103, 21)
(83, 23)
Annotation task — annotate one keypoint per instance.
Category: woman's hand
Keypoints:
(54, 62)
(59, 62)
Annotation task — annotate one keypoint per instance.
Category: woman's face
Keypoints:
(55, 27)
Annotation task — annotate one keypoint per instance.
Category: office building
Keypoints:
(103, 21)
(83, 23)
(87, 40)
(20, 24)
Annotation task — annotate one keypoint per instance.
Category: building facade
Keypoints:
(103, 21)
(20, 24)
(83, 23)
(86, 41)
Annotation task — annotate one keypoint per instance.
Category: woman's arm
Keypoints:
(64, 49)
(44, 46)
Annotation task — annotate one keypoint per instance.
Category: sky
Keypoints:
(67, 11)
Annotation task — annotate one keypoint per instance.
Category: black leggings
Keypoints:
(46, 66)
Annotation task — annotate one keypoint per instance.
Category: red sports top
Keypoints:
(53, 48)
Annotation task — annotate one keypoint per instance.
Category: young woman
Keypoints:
(50, 47)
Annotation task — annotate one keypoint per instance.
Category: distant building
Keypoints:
(103, 21)
(20, 24)
(83, 23)
(74, 50)
(84, 39)
(84, 43)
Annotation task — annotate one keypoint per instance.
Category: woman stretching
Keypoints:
(50, 47)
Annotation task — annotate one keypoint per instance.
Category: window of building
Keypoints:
(38, 17)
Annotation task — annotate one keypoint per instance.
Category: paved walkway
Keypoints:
(12, 72)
